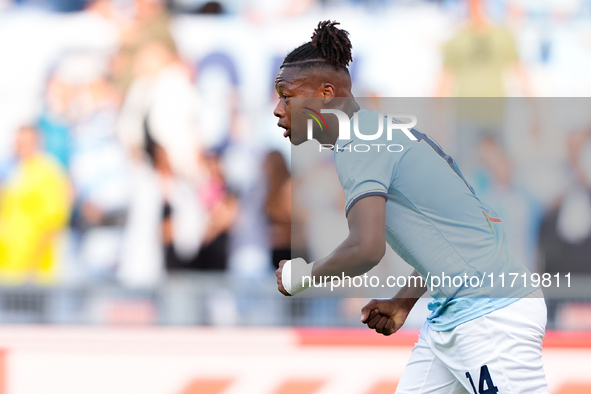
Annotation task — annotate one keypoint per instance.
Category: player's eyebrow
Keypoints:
(281, 85)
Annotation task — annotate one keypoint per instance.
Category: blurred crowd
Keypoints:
(109, 180)
(134, 166)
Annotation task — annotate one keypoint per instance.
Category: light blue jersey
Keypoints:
(434, 221)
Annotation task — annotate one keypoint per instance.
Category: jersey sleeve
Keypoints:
(363, 174)
(357, 188)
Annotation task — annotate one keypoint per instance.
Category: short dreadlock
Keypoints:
(330, 46)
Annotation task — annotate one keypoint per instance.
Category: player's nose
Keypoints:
(279, 110)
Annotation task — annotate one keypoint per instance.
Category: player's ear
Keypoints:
(328, 93)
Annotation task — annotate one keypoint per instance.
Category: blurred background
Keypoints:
(144, 182)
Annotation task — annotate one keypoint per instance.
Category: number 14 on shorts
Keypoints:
(484, 379)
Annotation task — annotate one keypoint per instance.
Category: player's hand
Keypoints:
(279, 280)
(384, 316)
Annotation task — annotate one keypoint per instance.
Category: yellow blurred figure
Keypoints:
(34, 207)
(479, 58)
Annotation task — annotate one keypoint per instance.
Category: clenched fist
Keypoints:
(384, 316)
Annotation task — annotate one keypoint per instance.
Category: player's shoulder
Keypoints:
(372, 126)
(375, 136)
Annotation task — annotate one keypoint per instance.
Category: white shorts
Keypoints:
(500, 352)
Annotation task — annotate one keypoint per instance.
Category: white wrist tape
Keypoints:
(293, 274)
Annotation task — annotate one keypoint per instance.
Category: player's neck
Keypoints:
(349, 106)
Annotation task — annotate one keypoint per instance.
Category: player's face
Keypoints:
(290, 83)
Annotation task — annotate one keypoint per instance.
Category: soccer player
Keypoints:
(484, 341)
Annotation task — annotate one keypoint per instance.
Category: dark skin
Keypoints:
(366, 244)
(325, 88)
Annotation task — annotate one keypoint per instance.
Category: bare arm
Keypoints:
(409, 295)
(366, 244)
(361, 251)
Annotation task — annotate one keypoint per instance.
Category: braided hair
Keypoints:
(330, 46)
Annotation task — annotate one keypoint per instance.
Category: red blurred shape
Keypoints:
(353, 337)
(299, 386)
(568, 339)
(207, 386)
(130, 312)
(384, 387)
(574, 388)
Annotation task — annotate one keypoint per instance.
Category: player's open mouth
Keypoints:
(287, 131)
